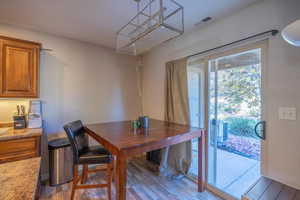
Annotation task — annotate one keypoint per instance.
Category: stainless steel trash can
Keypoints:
(60, 161)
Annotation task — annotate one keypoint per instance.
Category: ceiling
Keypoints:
(97, 21)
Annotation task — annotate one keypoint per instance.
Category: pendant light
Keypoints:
(154, 22)
(291, 33)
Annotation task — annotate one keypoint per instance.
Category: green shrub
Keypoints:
(241, 126)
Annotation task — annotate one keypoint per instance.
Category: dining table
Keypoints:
(125, 141)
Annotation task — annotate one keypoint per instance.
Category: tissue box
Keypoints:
(34, 120)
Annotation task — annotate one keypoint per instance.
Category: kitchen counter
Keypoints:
(19, 179)
(10, 133)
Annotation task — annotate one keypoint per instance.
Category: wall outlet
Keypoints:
(287, 113)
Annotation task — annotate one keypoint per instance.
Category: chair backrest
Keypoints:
(77, 137)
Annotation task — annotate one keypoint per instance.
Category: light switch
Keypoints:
(287, 113)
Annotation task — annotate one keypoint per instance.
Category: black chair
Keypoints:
(85, 155)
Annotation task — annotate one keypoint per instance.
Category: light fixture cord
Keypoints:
(150, 13)
(138, 10)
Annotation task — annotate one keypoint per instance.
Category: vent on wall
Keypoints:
(206, 19)
(203, 21)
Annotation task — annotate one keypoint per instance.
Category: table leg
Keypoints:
(201, 144)
(121, 177)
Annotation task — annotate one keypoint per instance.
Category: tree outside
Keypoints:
(239, 107)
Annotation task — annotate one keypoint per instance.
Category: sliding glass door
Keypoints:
(233, 119)
(234, 111)
(196, 83)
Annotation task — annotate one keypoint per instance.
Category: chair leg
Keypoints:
(84, 174)
(113, 169)
(83, 177)
(75, 178)
(110, 169)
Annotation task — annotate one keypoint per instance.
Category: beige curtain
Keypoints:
(176, 159)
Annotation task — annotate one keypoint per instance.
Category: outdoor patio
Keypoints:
(235, 173)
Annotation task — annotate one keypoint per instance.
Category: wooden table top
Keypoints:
(121, 134)
(123, 141)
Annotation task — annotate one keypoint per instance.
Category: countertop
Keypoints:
(11, 133)
(19, 179)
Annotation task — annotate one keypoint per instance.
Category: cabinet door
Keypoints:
(19, 149)
(19, 71)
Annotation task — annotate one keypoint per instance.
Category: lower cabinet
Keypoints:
(19, 149)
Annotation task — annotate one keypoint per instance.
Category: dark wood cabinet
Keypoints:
(19, 149)
(19, 68)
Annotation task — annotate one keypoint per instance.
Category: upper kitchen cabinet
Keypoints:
(19, 68)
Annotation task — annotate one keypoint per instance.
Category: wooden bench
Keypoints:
(267, 189)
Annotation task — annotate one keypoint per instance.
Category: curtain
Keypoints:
(176, 159)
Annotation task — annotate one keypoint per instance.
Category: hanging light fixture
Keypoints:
(291, 33)
(155, 22)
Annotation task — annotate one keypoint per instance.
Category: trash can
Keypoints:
(60, 161)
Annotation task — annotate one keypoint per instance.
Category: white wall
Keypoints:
(282, 81)
(79, 81)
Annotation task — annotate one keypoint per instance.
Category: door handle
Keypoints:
(263, 135)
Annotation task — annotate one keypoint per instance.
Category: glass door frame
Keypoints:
(263, 45)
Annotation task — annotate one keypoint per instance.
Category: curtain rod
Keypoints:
(273, 33)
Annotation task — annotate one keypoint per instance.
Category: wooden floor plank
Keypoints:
(297, 196)
(272, 191)
(267, 189)
(258, 189)
(287, 193)
(143, 184)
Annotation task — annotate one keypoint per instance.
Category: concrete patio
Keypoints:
(234, 173)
